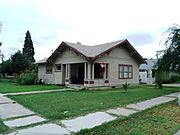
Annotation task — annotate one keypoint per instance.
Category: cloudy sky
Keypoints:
(90, 22)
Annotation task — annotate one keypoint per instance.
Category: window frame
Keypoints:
(56, 67)
(49, 69)
(128, 72)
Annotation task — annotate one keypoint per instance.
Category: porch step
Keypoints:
(76, 86)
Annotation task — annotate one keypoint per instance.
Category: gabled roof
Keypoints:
(42, 61)
(93, 52)
(150, 64)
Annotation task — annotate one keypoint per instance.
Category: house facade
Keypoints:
(109, 64)
(147, 71)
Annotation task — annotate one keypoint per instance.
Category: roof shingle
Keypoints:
(93, 52)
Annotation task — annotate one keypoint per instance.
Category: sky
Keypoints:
(91, 22)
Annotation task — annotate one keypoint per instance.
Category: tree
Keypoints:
(19, 62)
(1, 55)
(6, 67)
(28, 49)
(16, 64)
(170, 61)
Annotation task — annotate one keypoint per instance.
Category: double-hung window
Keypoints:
(125, 71)
(48, 69)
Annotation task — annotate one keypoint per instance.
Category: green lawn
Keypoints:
(161, 120)
(3, 128)
(53, 105)
(7, 86)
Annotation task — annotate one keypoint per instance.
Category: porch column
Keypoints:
(85, 71)
(106, 71)
(66, 71)
(69, 73)
(89, 70)
(92, 70)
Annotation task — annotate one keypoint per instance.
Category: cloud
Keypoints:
(90, 22)
(149, 50)
(140, 38)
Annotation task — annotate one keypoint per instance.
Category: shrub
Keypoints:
(159, 83)
(175, 78)
(125, 86)
(27, 78)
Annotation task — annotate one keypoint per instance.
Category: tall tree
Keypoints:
(1, 54)
(28, 49)
(16, 64)
(19, 62)
(0, 32)
(170, 61)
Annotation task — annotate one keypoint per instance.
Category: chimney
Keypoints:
(79, 43)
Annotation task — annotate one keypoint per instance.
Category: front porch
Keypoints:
(81, 75)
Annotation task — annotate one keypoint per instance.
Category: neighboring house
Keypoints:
(109, 64)
(147, 71)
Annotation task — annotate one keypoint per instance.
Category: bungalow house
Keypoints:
(109, 64)
(147, 71)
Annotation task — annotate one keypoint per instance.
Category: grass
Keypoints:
(3, 128)
(62, 105)
(161, 120)
(8, 86)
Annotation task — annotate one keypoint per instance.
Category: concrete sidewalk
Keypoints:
(177, 133)
(83, 122)
(150, 103)
(172, 85)
(37, 92)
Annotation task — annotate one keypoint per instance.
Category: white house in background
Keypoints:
(109, 64)
(147, 71)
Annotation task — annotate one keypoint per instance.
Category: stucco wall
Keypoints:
(48, 78)
(116, 57)
(57, 77)
(68, 56)
(143, 76)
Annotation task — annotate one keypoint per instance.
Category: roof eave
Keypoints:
(138, 56)
(56, 52)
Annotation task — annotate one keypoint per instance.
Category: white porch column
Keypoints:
(66, 71)
(85, 71)
(69, 73)
(104, 76)
(92, 70)
(89, 70)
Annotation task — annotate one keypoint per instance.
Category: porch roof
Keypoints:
(96, 51)
(41, 61)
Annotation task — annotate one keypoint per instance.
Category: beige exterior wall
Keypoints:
(116, 57)
(69, 56)
(58, 77)
(66, 57)
(47, 78)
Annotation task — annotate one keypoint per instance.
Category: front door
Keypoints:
(80, 74)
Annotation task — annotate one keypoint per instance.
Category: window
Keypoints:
(125, 72)
(98, 71)
(48, 69)
(58, 67)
